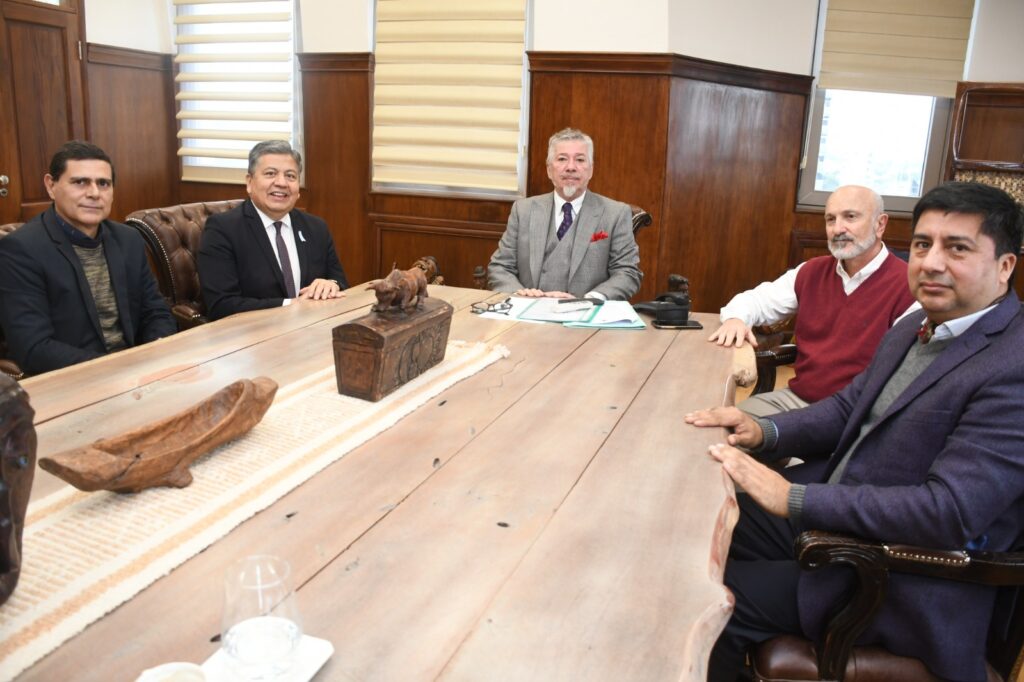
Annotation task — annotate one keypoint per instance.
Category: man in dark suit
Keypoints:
(74, 285)
(925, 447)
(571, 243)
(266, 253)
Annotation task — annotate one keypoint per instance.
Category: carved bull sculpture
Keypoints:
(402, 289)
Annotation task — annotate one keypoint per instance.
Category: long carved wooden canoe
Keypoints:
(160, 453)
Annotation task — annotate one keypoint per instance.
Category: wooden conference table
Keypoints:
(549, 518)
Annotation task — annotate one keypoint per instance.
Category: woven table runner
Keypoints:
(86, 553)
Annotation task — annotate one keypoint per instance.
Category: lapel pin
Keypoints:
(301, 236)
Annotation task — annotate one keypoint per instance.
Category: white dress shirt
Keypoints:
(557, 215)
(289, 241)
(773, 302)
(556, 220)
(954, 328)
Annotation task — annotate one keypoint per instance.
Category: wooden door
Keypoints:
(41, 97)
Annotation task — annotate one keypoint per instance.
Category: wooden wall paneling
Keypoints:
(44, 97)
(131, 114)
(988, 127)
(461, 233)
(621, 101)
(710, 150)
(806, 244)
(994, 128)
(733, 154)
(897, 229)
(457, 247)
(191, 192)
(336, 106)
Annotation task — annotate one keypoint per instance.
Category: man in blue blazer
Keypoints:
(74, 285)
(570, 243)
(925, 447)
(265, 253)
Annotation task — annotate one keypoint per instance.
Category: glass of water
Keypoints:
(261, 628)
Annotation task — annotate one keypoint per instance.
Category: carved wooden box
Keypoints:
(378, 352)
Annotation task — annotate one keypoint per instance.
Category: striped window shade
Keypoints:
(235, 82)
(448, 89)
(914, 47)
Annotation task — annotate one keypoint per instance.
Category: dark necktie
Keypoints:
(286, 262)
(566, 221)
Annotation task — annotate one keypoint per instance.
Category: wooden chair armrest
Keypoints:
(767, 360)
(777, 356)
(872, 562)
(187, 317)
(11, 369)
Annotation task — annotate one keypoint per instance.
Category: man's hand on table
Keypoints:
(746, 433)
(733, 332)
(766, 485)
(321, 289)
(537, 293)
(768, 488)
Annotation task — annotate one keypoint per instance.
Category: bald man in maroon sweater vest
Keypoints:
(846, 302)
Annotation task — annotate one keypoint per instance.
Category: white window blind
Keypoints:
(448, 94)
(913, 47)
(235, 82)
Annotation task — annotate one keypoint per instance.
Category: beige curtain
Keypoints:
(912, 47)
(448, 94)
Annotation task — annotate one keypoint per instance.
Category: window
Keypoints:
(888, 142)
(886, 71)
(235, 83)
(448, 90)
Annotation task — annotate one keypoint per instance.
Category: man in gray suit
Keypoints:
(571, 243)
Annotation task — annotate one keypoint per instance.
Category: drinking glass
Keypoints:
(261, 628)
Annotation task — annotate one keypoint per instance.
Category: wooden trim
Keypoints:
(70, 8)
(439, 228)
(964, 89)
(668, 64)
(110, 55)
(800, 240)
(335, 61)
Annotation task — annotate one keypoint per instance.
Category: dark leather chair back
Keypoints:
(8, 366)
(172, 237)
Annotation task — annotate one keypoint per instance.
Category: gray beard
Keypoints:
(851, 249)
(569, 191)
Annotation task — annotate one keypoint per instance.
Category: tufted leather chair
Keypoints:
(789, 658)
(8, 366)
(172, 238)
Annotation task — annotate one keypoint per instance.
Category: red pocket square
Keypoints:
(598, 236)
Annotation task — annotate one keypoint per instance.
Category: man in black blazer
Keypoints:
(265, 253)
(74, 285)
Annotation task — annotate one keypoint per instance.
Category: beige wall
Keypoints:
(769, 34)
(138, 24)
(777, 35)
(601, 26)
(336, 25)
(997, 46)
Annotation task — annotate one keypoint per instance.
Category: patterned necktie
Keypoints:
(925, 333)
(566, 221)
(286, 262)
